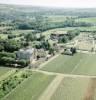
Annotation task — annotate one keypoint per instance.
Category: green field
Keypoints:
(89, 20)
(78, 64)
(4, 70)
(71, 89)
(31, 88)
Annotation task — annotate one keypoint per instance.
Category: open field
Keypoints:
(4, 70)
(89, 20)
(31, 88)
(73, 89)
(56, 18)
(80, 63)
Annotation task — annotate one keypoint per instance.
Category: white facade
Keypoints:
(26, 54)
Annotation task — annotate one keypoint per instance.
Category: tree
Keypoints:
(51, 51)
(11, 36)
(7, 60)
(12, 45)
(24, 26)
(1, 47)
(73, 50)
(30, 37)
(64, 39)
(45, 45)
(6, 54)
(22, 63)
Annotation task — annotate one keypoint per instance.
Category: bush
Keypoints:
(7, 60)
(11, 36)
(1, 47)
(22, 63)
(63, 39)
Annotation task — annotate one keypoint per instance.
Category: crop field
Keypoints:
(75, 89)
(31, 88)
(80, 63)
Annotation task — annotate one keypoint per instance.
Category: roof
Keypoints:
(29, 50)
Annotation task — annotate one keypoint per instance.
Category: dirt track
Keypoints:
(51, 88)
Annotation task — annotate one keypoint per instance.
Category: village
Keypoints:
(84, 43)
(47, 53)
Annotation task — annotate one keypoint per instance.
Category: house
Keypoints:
(58, 35)
(26, 54)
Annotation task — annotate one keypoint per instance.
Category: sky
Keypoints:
(54, 3)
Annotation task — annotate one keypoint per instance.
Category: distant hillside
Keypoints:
(15, 12)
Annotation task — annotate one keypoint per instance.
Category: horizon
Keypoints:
(50, 3)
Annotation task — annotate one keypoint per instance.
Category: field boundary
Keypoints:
(65, 75)
(43, 64)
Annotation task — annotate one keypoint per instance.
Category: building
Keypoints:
(26, 54)
(58, 35)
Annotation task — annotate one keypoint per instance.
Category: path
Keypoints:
(65, 75)
(51, 88)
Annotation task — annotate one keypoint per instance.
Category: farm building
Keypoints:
(27, 54)
(58, 35)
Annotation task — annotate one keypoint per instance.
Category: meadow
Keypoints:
(4, 70)
(81, 64)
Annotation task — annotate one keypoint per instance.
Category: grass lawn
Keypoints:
(4, 70)
(71, 89)
(31, 88)
(78, 64)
